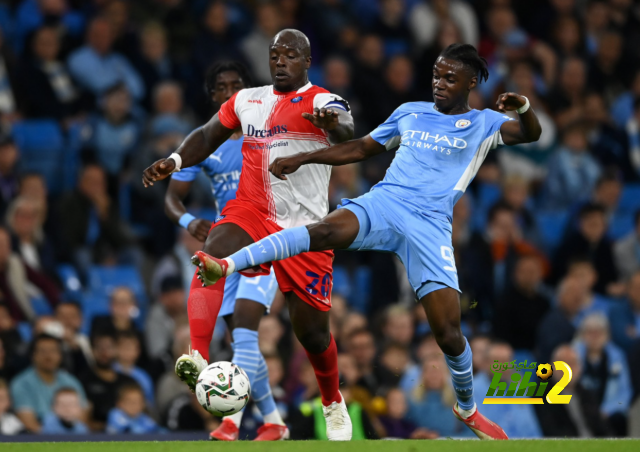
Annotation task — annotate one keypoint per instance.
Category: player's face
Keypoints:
(288, 65)
(227, 84)
(451, 84)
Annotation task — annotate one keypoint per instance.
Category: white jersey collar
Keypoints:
(304, 88)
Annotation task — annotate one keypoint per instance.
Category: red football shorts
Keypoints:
(309, 275)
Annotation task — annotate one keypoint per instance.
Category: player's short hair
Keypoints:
(226, 66)
(469, 57)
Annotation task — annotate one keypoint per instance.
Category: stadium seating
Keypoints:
(552, 226)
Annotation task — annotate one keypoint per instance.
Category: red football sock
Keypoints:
(325, 366)
(203, 307)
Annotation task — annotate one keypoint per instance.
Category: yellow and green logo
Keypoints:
(521, 390)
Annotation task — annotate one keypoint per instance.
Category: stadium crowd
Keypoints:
(93, 276)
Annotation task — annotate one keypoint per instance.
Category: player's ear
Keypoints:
(473, 82)
(307, 62)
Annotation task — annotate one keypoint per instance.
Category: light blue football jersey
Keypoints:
(439, 155)
(223, 169)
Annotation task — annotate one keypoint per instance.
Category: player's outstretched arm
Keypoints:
(527, 129)
(338, 123)
(175, 210)
(340, 154)
(199, 145)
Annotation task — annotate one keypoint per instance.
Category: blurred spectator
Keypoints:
(32, 14)
(605, 71)
(66, 414)
(607, 143)
(169, 386)
(580, 418)
(428, 18)
(217, 40)
(515, 194)
(93, 231)
(97, 68)
(33, 187)
(176, 262)
(573, 172)
(632, 128)
(15, 278)
(75, 345)
(13, 344)
(490, 258)
(590, 242)
(391, 25)
(523, 306)
(33, 390)
(128, 352)
(165, 316)
(557, 327)
(168, 103)
(9, 422)
(255, 46)
(433, 396)
(596, 21)
(115, 133)
(153, 62)
(8, 172)
(25, 220)
(368, 71)
(584, 271)
(398, 326)
(605, 373)
(186, 414)
(361, 345)
(270, 332)
(607, 193)
(102, 382)
(125, 37)
(625, 316)
(518, 421)
(11, 89)
(567, 96)
(128, 416)
(567, 37)
(625, 251)
(395, 423)
(51, 93)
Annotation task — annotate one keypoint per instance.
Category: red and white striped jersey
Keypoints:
(273, 127)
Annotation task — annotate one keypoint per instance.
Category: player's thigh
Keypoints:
(310, 325)
(225, 239)
(337, 230)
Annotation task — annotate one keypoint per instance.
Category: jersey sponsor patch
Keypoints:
(462, 123)
(295, 100)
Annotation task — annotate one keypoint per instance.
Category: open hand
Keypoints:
(284, 165)
(323, 118)
(510, 102)
(157, 171)
(199, 229)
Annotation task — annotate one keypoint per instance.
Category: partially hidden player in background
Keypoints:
(442, 145)
(289, 117)
(245, 299)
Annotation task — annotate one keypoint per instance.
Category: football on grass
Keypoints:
(223, 388)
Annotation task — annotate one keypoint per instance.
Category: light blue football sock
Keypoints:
(275, 247)
(246, 354)
(462, 376)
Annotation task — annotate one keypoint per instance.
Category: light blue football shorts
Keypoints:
(260, 289)
(421, 242)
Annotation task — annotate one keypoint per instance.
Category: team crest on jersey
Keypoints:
(462, 123)
(295, 100)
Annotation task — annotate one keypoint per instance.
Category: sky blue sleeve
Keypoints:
(388, 129)
(494, 120)
(21, 395)
(187, 174)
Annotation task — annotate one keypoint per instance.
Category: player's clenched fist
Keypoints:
(157, 171)
(510, 101)
(285, 165)
(199, 229)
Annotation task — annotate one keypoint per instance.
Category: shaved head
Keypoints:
(289, 60)
(294, 39)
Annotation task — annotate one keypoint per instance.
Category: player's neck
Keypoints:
(292, 89)
(455, 110)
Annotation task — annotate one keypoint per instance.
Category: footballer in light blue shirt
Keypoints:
(441, 147)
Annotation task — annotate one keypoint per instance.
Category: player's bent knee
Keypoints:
(450, 339)
(315, 342)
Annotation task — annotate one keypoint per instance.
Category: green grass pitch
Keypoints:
(622, 445)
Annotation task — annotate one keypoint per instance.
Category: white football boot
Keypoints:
(189, 366)
(338, 421)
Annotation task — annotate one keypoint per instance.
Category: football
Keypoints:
(223, 388)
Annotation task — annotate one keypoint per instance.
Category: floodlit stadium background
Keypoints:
(547, 237)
